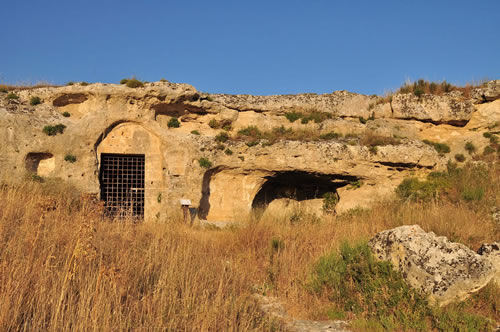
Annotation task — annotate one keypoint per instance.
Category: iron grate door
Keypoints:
(122, 184)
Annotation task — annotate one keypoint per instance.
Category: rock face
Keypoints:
(444, 270)
(109, 119)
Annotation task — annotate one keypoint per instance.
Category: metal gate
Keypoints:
(122, 184)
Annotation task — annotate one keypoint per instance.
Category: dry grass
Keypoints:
(27, 86)
(64, 267)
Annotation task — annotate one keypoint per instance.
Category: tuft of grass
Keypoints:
(35, 101)
(460, 157)
(12, 95)
(222, 137)
(54, 130)
(173, 123)
(204, 162)
(470, 147)
(214, 124)
(70, 158)
(441, 148)
(66, 114)
(133, 83)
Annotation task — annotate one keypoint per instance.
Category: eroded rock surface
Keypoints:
(491, 252)
(444, 270)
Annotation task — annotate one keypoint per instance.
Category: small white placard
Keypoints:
(185, 202)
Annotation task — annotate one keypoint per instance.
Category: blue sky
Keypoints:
(255, 47)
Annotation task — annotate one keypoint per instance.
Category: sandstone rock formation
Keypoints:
(102, 119)
(444, 270)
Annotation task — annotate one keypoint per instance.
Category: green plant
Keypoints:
(36, 178)
(488, 150)
(222, 137)
(373, 149)
(134, 83)
(204, 162)
(35, 101)
(163, 80)
(84, 83)
(228, 152)
(54, 130)
(330, 200)
(124, 81)
(250, 131)
(471, 148)
(220, 146)
(195, 132)
(70, 158)
(460, 157)
(3, 89)
(362, 120)
(158, 198)
(252, 143)
(70, 83)
(173, 123)
(214, 124)
(66, 114)
(293, 116)
(330, 136)
(12, 95)
(419, 92)
(441, 148)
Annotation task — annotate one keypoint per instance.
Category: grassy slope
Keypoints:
(63, 267)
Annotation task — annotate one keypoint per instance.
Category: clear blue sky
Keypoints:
(255, 47)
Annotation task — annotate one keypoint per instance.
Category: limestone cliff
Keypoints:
(380, 142)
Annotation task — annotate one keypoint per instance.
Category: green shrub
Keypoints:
(12, 95)
(70, 158)
(357, 283)
(460, 157)
(124, 81)
(304, 120)
(54, 130)
(173, 123)
(250, 131)
(70, 83)
(66, 114)
(84, 83)
(419, 92)
(134, 83)
(204, 162)
(214, 124)
(488, 150)
(471, 148)
(487, 135)
(330, 136)
(293, 116)
(228, 152)
(441, 148)
(330, 200)
(195, 132)
(222, 137)
(252, 143)
(415, 189)
(362, 120)
(35, 101)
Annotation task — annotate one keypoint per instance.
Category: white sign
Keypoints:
(185, 202)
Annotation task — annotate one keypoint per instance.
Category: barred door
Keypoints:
(122, 184)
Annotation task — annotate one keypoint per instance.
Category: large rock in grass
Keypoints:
(445, 271)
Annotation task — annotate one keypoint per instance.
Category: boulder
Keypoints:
(445, 271)
(488, 92)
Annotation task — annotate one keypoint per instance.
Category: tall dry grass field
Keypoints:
(65, 267)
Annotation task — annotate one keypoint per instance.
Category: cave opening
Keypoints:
(299, 186)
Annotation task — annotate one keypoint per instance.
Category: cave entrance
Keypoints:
(122, 184)
(297, 185)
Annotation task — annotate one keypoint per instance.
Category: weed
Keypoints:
(204, 162)
(441, 148)
(84, 83)
(373, 149)
(330, 136)
(460, 157)
(35, 101)
(66, 114)
(70, 83)
(54, 130)
(488, 150)
(133, 83)
(214, 124)
(222, 137)
(470, 147)
(362, 120)
(70, 158)
(330, 200)
(228, 151)
(124, 81)
(195, 132)
(293, 116)
(252, 143)
(12, 95)
(173, 123)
